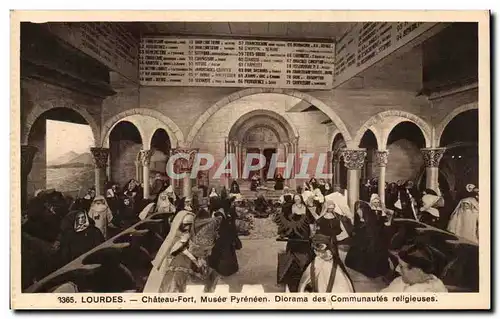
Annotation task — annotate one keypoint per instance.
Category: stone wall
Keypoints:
(39, 97)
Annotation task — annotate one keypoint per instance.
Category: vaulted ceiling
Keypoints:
(326, 31)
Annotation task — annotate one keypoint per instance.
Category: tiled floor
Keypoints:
(258, 266)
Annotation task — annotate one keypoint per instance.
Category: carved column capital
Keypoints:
(432, 156)
(354, 158)
(381, 158)
(100, 156)
(145, 157)
(182, 165)
(27, 155)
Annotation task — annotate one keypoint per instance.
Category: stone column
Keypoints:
(100, 156)
(295, 151)
(108, 169)
(262, 177)
(382, 157)
(432, 157)
(137, 170)
(354, 160)
(238, 159)
(227, 150)
(145, 161)
(286, 150)
(336, 168)
(27, 155)
(185, 166)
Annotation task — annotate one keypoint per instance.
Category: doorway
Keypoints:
(268, 154)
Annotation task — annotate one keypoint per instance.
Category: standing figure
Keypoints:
(176, 241)
(167, 202)
(326, 273)
(464, 221)
(189, 265)
(79, 239)
(157, 186)
(234, 190)
(295, 227)
(87, 199)
(429, 212)
(101, 215)
(223, 258)
(112, 198)
(255, 182)
(279, 182)
(214, 200)
(203, 209)
(333, 225)
(327, 189)
(369, 252)
(287, 197)
(408, 201)
(133, 189)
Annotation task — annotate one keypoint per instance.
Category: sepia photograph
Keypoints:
(178, 159)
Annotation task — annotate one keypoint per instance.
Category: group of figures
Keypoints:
(320, 228)
(459, 216)
(57, 229)
(201, 245)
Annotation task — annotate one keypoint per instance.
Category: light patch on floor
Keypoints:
(258, 270)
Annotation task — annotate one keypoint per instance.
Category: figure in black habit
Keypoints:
(234, 190)
(79, 239)
(279, 182)
(133, 190)
(408, 200)
(255, 182)
(429, 212)
(223, 258)
(369, 252)
(287, 196)
(327, 189)
(294, 227)
(87, 200)
(214, 200)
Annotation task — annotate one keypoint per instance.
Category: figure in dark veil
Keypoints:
(369, 252)
(279, 182)
(223, 257)
(294, 226)
(234, 190)
(79, 239)
(326, 273)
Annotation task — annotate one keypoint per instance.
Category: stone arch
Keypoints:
(378, 136)
(246, 129)
(45, 106)
(137, 125)
(442, 125)
(246, 92)
(284, 123)
(401, 116)
(174, 132)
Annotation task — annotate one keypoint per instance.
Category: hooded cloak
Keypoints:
(175, 241)
(464, 221)
(101, 214)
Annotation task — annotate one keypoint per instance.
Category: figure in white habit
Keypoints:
(341, 206)
(166, 203)
(101, 214)
(326, 273)
(464, 221)
(175, 242)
